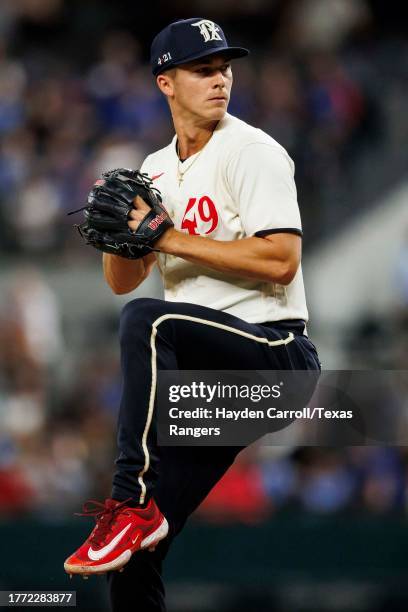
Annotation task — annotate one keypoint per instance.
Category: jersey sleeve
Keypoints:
(145, 167)
(261, 180)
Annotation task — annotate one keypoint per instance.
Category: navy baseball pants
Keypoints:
(158, 335)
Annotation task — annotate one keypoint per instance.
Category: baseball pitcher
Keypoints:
(216, 210)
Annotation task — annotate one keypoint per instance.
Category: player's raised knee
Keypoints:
(139, 313)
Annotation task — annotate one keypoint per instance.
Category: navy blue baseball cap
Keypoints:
(189, 39)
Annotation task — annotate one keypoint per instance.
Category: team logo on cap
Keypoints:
(208, 30)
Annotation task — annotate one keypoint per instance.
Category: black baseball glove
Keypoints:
(107, 214)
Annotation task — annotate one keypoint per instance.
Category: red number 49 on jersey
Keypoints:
(202, 211)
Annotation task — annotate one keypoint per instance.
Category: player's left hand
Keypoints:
(138, 213)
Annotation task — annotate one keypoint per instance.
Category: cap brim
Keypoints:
(231, 52)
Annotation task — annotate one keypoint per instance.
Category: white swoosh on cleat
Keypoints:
(95, 555)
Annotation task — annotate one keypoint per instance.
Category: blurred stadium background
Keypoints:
(323, 529)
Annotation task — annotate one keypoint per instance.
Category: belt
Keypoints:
(297, 326)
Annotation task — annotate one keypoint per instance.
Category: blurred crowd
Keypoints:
(76, 98)
(57, 408)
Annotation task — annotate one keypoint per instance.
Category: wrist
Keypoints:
(166, 240)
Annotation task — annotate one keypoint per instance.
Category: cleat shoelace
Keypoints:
(105, 514)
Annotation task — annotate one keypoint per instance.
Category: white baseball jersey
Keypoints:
(240, 183)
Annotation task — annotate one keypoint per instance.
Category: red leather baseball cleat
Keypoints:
(120, 531)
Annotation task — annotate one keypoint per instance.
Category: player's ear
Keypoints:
(165, 83)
